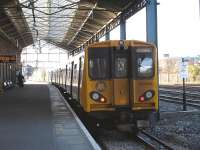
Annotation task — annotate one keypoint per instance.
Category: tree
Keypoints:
(194, 71)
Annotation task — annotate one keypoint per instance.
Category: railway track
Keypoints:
(174, 95)
(151, 141)
(180, 87)
(115, 139)
(143, 139)
(167, 96)
(179, 92)
(179, 102)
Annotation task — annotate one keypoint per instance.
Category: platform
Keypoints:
(37, 118)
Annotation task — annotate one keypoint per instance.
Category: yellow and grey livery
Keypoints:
(113, 76)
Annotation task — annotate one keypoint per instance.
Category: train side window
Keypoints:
(69, 76)
(66, 75)
(145, 67)
(75, 73)
(81, 73)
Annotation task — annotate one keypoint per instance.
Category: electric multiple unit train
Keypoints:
(112, 79)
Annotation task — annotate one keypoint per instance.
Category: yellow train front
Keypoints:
(117, 80)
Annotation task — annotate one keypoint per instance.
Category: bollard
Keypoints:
(1, 88)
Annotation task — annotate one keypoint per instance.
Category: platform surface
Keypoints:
(36, 118)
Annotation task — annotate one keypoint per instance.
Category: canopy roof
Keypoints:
(65, 23)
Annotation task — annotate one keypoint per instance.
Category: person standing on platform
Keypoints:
(20, 79)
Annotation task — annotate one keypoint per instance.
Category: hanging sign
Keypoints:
(7, 58)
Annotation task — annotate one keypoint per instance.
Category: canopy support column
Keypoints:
(122, 29)
(151, 22)
(152, 35)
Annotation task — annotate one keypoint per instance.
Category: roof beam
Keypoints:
(130, 11)
(85, 20)
(13, 41)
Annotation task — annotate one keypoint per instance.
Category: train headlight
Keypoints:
(146, 96)
(122, 45)
(95, 96)
(149, 94)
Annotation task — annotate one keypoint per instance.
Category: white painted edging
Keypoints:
(83, 128)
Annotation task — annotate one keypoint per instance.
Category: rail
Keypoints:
(174, 95)
(151, 141)
(170, 99)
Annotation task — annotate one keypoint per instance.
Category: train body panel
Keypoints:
(114, 75)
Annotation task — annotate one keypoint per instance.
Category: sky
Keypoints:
(178, 27)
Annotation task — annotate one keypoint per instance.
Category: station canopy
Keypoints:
(65, 23)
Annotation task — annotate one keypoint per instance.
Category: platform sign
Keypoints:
(183, 73)
(7, 58)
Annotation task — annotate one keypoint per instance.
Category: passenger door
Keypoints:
(121, 90)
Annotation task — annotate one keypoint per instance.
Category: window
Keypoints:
(98, 68)
(144, 64)
(121, 67)
(81, 71)
(99, 64)
(75, 75)
(68, 75)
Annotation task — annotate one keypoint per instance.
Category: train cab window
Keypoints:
(99, 66)
(121, 67)
(144, 64)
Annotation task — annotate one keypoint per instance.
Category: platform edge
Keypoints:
(83, 128)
